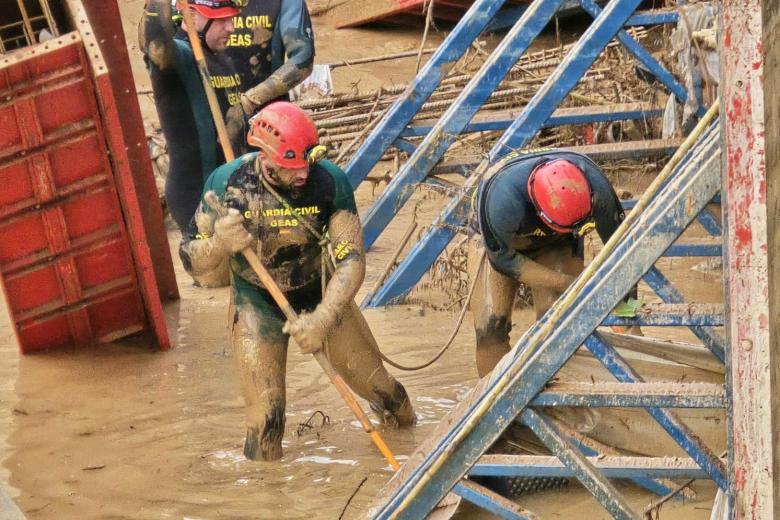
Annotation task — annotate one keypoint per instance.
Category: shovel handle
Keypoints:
(281, 300)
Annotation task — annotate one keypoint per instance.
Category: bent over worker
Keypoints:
(179, 96)
(532, 211)
(291, 210)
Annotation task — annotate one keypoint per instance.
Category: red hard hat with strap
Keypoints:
(286, 135)
(215, 9)
(561, 194)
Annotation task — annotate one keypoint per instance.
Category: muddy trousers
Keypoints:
(494, 297)
(260, 352)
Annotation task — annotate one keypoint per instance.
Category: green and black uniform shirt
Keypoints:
(289, 251)
(268, 32)
(186, 119)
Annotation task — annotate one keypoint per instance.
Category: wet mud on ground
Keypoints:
(123, 431)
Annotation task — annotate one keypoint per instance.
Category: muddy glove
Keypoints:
(311, 328)
(536, 275)
(230, 235)
(237, 128)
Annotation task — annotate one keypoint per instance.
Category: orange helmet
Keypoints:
(286, 135)
(561, 194)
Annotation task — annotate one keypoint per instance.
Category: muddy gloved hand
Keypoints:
(536, 275)
(237, 128)
(230, 235)
(311, 328)
(258, 96)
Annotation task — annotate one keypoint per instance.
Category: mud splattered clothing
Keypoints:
(292, 255)
(516, 241)
(286, 248)
(508, 221)
(267, 32)
(182, 107)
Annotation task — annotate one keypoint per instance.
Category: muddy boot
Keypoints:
(353, 352)
(260, 353)
(491, 306)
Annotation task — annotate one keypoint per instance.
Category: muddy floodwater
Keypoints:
(124, 431)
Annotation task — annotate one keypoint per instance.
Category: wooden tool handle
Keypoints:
(211, 96)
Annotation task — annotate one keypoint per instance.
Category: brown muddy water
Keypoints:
(122, 431)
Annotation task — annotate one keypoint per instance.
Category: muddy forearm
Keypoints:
(346, 236)
(535, 274)
(155, 33)
(201, 256)
(278, 84)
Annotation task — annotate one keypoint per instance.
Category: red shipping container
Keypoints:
(75, 260)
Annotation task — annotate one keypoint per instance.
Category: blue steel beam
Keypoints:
(689, 250)
(645, 58)
(555, 120)
(457, 116)
(523, 373)
(558, 85)
(676, 429)
(583, 469)
(536, 113)
(408, 104)
(667, 292)
(610, 467)
(607, 400)
(491, 502)
(668, 320)
(658, 487)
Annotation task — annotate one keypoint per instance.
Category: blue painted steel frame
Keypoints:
(666, 291)
(457, 116)
(584, 470)
(513, 384)
(487, 504)
(646, 59)
(687, 440)
(538, 111)
(487, 126)
(404, 109)
(482, 469)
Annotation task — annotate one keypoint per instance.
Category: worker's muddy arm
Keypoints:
(294, 27)
(525, 270)
(155, 33)
(346, 237)
(210, 239)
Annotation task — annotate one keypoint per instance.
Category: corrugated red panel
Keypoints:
(66, 261)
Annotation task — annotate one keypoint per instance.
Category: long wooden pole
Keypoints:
(211, 96)
(251, 257)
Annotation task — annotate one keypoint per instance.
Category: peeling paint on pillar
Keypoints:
(745, 234)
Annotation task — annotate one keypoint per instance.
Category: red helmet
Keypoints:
(215, 9)
(286, 135)
(561, 195)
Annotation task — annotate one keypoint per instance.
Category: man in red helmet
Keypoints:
(299, 214)
(179, 96)
(531, 212)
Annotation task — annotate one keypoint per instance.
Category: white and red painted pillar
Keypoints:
(750, 103)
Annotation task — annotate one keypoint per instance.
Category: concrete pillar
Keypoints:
(750, 99)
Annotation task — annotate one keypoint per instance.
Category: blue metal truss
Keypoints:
(404, 109)
(520, 381)
(539, 113)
